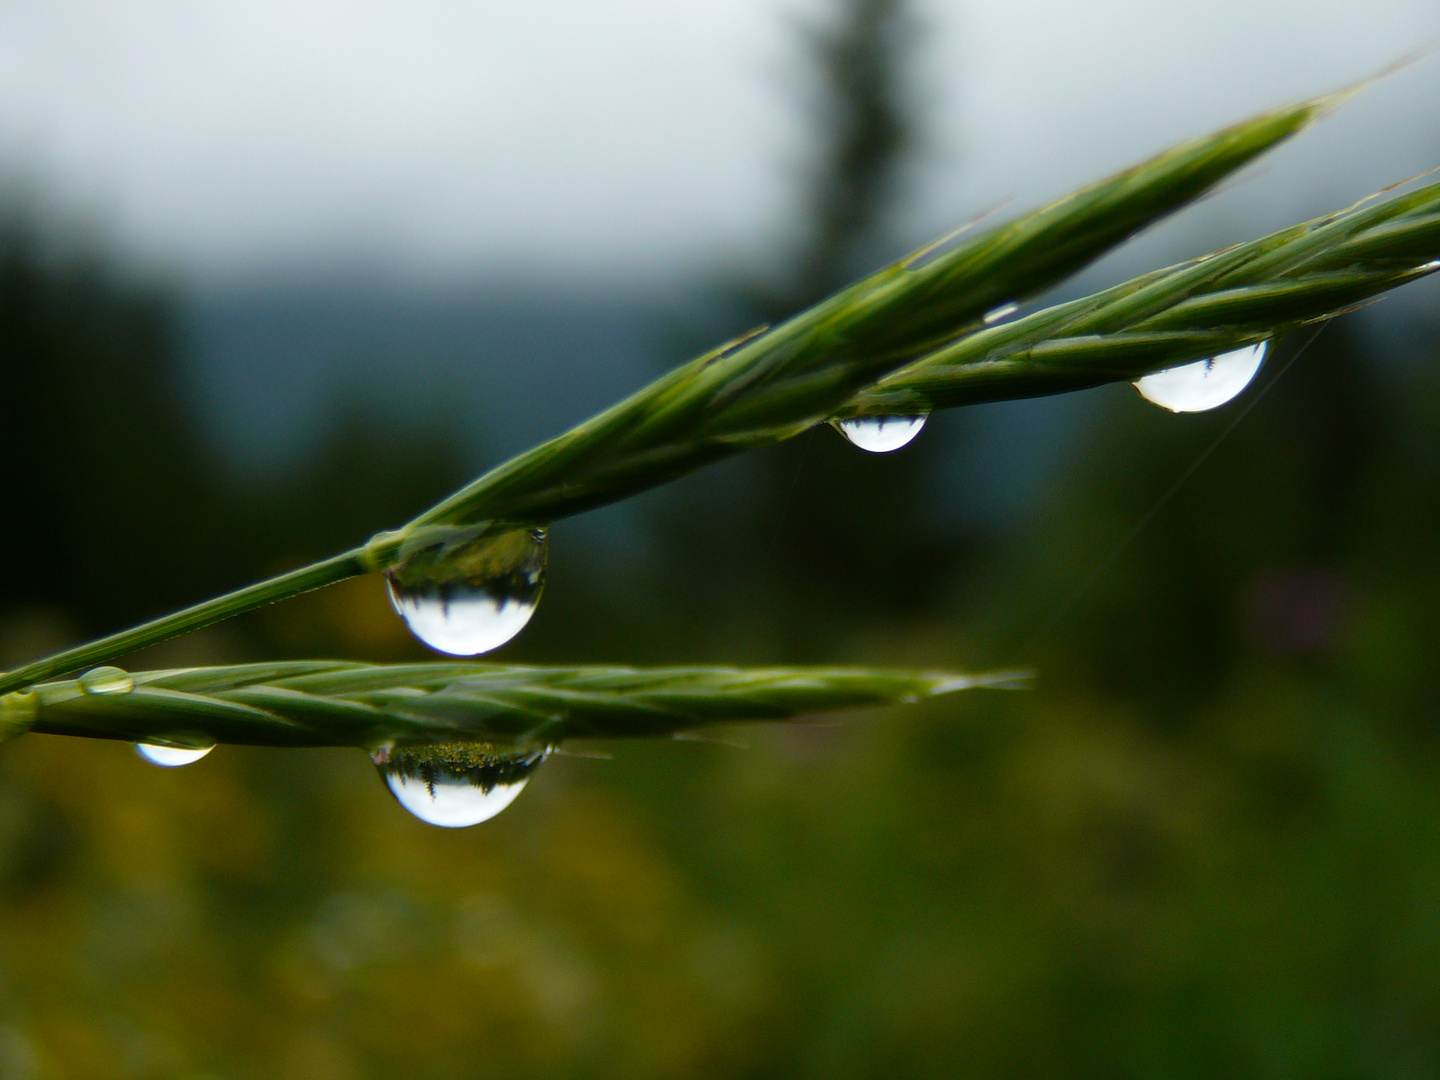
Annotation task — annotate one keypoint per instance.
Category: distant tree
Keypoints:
(822, 527)
(867, 129)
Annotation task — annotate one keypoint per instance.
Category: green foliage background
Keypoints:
(1207, 843)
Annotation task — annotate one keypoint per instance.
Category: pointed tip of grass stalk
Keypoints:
(1015, 679)
(1328, 103)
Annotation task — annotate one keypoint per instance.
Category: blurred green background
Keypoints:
(1206, 843)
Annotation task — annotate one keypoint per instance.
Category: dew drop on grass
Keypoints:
(880, 434)
(456, 784)
(171, 757)
(106, 680)
(1205, 384)
(471, 596)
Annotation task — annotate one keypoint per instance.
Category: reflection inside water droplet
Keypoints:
(106, 680)
(457, 784)
(473, 595)
(1000, 314)
(1205, 384)
(880, 434)
(171, 756)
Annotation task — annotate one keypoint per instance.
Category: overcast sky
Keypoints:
(638, 137)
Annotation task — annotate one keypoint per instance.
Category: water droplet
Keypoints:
(881, 434)
(1000, 314)
(471, 595)
(106, 680)
(456, 784)
(1205, 384)
(171, 756)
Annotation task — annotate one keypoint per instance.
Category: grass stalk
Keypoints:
(336, 703)
(913, 331)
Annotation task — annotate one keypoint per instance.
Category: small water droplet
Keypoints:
(456, 784)
(1001, 313)
(881, 434)
(171, 757)
(1205, 384)
(469, 596)
(106, 680)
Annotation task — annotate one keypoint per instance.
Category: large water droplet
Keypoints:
(106, 680)
(472, 595)
(456, 784)
(171, 757)
(1205, 384)
(881, 434)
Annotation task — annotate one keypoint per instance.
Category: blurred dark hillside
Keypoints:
(98, 451)
(129, 509)
(496, 369)
(1207, 843)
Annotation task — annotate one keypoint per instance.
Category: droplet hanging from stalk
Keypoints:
(469, 595)
(456, 784)
(1204, 384)
(171, 757)
(881, 434)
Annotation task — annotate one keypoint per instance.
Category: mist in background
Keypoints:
(638, 138)
(272, 279)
